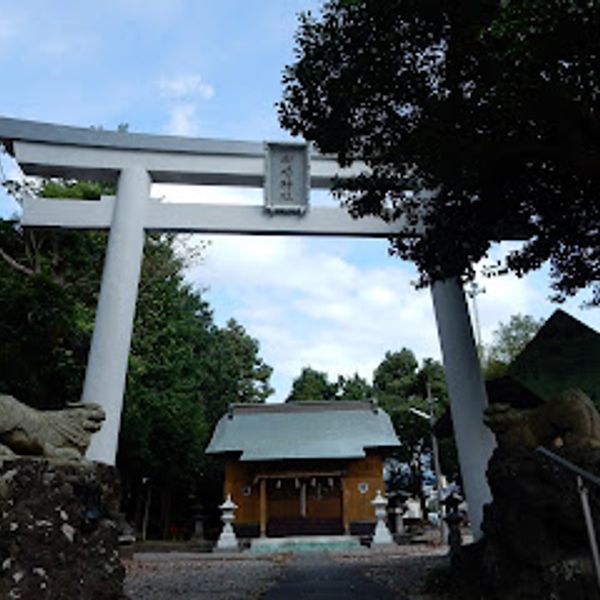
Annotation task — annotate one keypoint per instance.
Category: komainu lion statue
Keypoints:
(58, 434)
(570, 420)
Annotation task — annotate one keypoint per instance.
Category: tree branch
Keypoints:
(15, 264)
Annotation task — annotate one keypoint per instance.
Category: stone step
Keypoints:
(305, 543)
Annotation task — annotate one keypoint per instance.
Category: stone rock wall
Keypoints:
(59, 531)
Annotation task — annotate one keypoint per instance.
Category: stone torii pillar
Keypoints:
(109, 351)
(135, 161)
(468, 399)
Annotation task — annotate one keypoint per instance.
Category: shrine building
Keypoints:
(304, 468)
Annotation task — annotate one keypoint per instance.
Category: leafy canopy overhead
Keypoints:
(491, 106)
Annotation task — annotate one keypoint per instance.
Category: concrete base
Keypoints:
(305, 543)
(227, 543)
(382, 535)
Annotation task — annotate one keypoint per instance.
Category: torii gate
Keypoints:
(135, 161)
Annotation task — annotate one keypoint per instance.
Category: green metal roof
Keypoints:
(564, 354)
(303, 430)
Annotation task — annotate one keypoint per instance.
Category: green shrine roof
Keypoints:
(303, 430)
(564, 354)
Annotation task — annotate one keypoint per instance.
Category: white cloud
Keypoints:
(310, 306)
(186, 86)
(183, 93)
(308, 303)
(508, 295)
(182, 120)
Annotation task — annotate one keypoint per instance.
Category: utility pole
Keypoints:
(436, 456)
(472, 292)
(436, 462)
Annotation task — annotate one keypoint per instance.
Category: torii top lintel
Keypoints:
(50, 150)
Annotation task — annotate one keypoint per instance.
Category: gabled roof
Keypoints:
(565, 353)
(303, 430)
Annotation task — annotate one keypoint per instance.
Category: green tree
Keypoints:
(474, 101)
(184, 373)
(396, 375)
(353, 388)
(399, 385)
(49, 282)
(232, 372)
(183, 369)
(509, 340)
(164, 430)
(312, 385)
(398, 388)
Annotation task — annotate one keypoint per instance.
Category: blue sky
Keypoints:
(213, 69)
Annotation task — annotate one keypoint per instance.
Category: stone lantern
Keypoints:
(199, 516)
(382, 533)
(227, 539)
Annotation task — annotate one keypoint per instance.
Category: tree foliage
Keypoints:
(353, 388)
(232, 372)
(164, 430)
(48, 289)
(399, 385)
(396, 375)
(315, 385)
(491, 106)
(509, 340)
(183, 371)
(312, 385)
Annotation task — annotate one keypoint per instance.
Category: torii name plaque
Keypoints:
(287, 177)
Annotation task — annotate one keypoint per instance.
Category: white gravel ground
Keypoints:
(191, 576)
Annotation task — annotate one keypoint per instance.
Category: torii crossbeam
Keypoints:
(135, 161)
